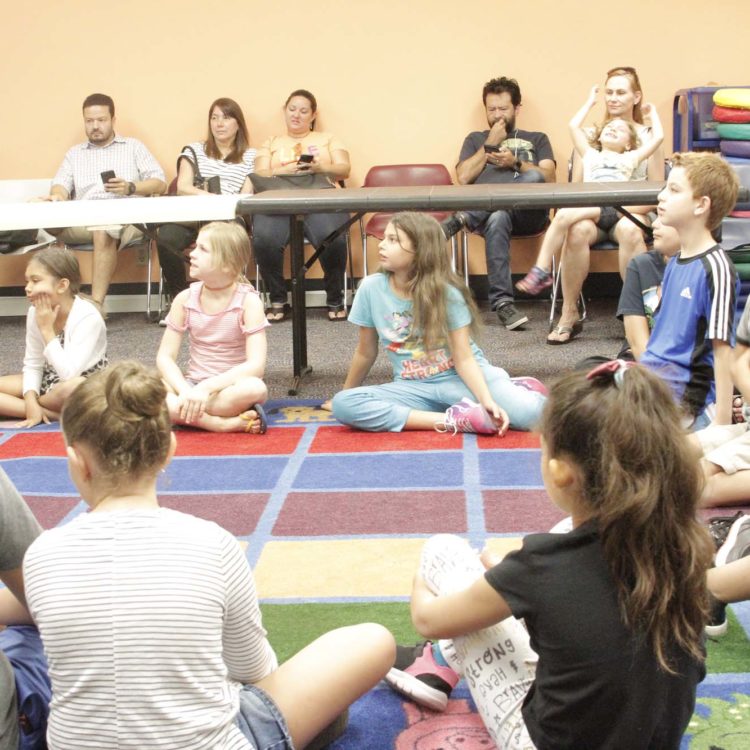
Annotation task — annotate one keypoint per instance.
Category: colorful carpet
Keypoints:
(334, 522)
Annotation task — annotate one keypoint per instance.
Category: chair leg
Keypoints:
(148, 281)
(465, 255)
(364, 247)
(557, 276)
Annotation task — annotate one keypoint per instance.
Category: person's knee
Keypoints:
(581, 234)
(341, 405)
(498, 220)
(532, 175)
(628, 235)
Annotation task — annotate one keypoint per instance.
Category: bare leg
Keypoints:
(313, 687)
(629, 240)
(730, 582)
(234, 399)
(722, 488)
(55, 398)
(554, 237)
(104, 264)
(11, 397)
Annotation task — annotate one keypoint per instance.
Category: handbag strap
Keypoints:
(197, 176)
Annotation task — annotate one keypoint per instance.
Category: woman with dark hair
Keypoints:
(623, 97)
(303, 150)
(226, 155)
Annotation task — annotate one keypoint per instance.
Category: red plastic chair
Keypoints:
(401, 175)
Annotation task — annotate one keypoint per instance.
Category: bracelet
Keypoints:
(131, 188)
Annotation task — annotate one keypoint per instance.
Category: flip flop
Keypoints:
(260, 417)
(276, 313)
(570, 331)
(333, 313)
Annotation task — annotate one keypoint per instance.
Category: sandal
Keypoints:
(570, 332)
(260, 416)
(276, 313)
(336, 313)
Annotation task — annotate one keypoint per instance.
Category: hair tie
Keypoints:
(615, 367)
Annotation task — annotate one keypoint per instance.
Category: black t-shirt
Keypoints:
(526, 145)
(597, 685)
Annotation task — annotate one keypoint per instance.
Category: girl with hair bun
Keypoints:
(149, 616)
(615, 608)
(66, 340)
(222, 314)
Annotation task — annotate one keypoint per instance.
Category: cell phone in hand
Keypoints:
(491, 149)
(108, 175)
(305, 160)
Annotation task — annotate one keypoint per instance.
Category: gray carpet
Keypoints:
(330, 346)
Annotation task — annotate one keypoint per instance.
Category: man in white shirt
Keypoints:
(106, 166)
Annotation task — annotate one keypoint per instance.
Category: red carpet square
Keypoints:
(49, 511)
(346, 440)
(525, 511)
(512, 439)
(237, 513)
(334, 513)
(33, 444)
(274, 442)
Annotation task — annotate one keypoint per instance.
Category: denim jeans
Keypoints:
(270, 237)
(497, 227)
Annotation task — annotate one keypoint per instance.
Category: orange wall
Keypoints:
(397, 80)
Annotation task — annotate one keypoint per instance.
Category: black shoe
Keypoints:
(511, 317)
(164, 314)
(717, 623)
(718, 527)
(453, 225)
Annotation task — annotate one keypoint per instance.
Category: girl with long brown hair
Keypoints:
(615, 608)
(424, 316)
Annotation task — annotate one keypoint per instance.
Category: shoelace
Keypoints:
(452, 422)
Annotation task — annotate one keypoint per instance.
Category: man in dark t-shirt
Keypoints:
(502, 154)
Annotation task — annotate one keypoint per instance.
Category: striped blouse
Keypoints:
(232, 176)
(150, 622)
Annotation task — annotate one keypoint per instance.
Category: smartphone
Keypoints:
(108, 175)
(305, 159)
(491, 149)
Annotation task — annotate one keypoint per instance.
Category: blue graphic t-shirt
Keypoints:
(376, 306)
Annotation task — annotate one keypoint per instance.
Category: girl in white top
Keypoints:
(223, 390)
(613, 153)
(66, 340)
(150, 618)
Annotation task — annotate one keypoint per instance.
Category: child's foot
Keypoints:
(736, 546)
(418, 676)
(535, 281)
(466, 416)
(255, 420)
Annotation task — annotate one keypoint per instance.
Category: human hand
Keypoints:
(34, 415)
(192, 404)
(499, 416)
(45, 313)
(498, 132)
(489, 558)
(594, 93)
(290, 168)
(117, 186)
(46, 199)
(327, 405)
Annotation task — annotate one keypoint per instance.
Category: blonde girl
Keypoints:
(615, 608)
(149, 616)
(424, 316)
(66, 340)
(222, 390)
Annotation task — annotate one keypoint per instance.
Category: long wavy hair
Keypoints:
(431, 275)
(641, 480)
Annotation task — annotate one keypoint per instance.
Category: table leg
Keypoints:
(299, 312)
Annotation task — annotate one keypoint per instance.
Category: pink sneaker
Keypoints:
(535, 281)
(418, 676)
(466, 416)
(530, 384)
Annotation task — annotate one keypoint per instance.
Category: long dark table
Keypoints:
(359, 201)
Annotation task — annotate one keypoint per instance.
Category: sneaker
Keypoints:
(737, 544)
(418, 676)
(717, 624)
(530, 384)
(510, 317)
(467, 416)
(453, 225)
(535, 281)
(719, 526)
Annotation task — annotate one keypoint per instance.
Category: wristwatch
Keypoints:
(131, 188)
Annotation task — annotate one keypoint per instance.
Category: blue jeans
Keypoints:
(385, 408)
(497, 227)
(260, 720)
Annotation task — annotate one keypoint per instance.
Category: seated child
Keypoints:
(66, 340)
(691, 343)
(223, 390)
(611, 155)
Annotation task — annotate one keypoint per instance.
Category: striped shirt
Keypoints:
(81, 170)
(217, 341)
(232, 176)
(697, 307)
(150, 623)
